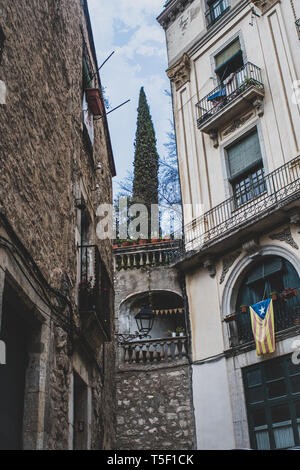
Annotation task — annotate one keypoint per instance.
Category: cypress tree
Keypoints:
(146, 160)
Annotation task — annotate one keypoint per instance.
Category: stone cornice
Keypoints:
(172, 10)
(264, 5)
(179, 74)
(208, 34)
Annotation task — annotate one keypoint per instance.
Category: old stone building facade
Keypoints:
(153, 374)
(234, 69)
(56, 278)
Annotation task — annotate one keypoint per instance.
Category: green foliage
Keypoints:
(146, 160)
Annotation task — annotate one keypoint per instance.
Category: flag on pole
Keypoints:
(262, 320)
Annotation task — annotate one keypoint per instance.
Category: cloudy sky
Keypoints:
(129, 28)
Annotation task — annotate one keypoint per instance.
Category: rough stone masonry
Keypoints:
(154, 409)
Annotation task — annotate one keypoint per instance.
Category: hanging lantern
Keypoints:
(144, 320)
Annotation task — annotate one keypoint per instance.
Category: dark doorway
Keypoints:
(12, 375)
(80, 414)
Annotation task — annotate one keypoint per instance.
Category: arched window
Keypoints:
(270, 276)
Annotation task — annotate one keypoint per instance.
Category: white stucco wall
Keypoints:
(213, 414)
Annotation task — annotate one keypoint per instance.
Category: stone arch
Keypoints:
(236, 276)
(162, 299)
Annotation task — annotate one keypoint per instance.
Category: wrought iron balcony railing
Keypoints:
(95, 289)
(149, 351)
(286, 316)
(247, 77)
(216, 11)
(276, 188)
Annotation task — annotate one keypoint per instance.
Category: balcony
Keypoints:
(95, 293)
(223, 227)
(216, 11)
(230, 99)
(286, 321)
(136, 256)
(155, 351)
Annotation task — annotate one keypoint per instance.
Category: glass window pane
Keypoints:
(284, 437)
(282, 428)
(262, 440)
(295, 381)
(297, 406)
(274, 370)
(259, 417)
(276, 389)
(255, 394)
(280, 413)
(293, 368)
(254, 377)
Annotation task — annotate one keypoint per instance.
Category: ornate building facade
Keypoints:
(56, 279)
(234, 69)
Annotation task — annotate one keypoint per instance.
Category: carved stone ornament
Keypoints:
(210, 265)
(252, 248)
(264, 5)
(172, 10)
(236, 124)
(227, 263)
(285, 236)
(295, 220)
(179, 74)
(259, 106)
(215, 138)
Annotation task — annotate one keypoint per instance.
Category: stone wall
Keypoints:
(155, 409)
(43, 164)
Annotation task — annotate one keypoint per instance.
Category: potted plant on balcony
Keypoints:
(274, 295)
(169, 333)
(180, 331)
(231, 317)
(288, 293)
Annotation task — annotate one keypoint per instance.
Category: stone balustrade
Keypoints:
(151, 254)
(153, 351)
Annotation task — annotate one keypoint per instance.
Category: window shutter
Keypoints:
(244, 155)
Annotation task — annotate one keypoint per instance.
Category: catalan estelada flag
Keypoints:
(262, 320)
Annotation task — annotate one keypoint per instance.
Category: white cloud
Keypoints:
(129, 28)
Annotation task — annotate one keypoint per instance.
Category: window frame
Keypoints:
(237, 36)
(256, 126)
(290, 399)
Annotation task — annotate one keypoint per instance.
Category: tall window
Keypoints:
(272, 391)
(229, 60)
(216, 9)
(246, 169)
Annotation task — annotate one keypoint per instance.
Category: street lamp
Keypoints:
(144, 320)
